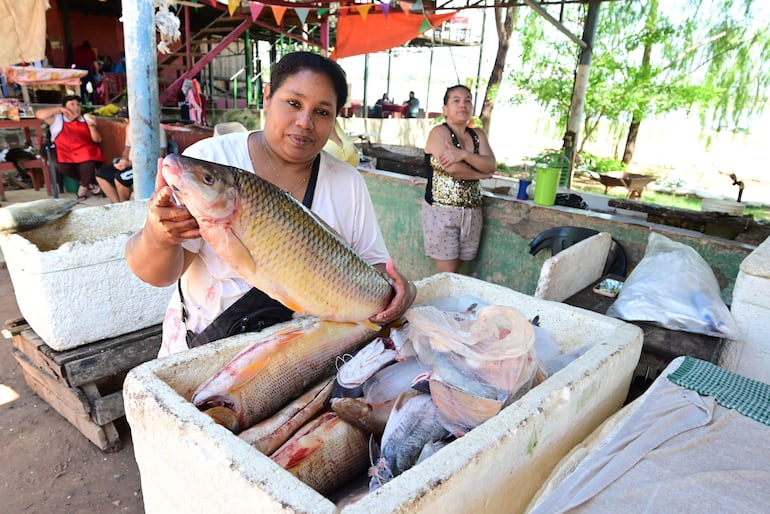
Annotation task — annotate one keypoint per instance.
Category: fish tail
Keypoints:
(380, 474)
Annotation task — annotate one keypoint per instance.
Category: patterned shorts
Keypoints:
(451, 232)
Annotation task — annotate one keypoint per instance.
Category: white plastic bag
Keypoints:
(479, 362)
(675, 288)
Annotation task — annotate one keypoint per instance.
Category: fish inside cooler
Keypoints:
(346, 409)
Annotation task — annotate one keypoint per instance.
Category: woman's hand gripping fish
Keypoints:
(275, 243)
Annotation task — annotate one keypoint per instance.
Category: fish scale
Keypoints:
(275, 243)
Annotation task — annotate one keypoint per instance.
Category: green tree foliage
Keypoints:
(652, 57)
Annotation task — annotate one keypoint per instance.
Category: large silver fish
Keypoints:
(413, 423)
(268, 435)
(325, 453)
(275, 243)
(264, 377)
(20, 217)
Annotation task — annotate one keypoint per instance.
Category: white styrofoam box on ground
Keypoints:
(188, 463)
(71, 279)
(751, 309)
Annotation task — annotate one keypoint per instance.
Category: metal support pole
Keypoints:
(249, 69)
(478, 69)
(142, 80)
(366, 86)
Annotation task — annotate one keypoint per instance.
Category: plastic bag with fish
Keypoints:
(674, 287)
(478, 365)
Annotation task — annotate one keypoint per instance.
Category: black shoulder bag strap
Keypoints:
(255, 310)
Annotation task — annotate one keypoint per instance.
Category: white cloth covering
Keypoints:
(678, 452)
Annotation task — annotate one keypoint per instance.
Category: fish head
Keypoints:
(206, 188)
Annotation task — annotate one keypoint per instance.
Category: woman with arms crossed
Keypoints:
(305, 94)
(457, 158)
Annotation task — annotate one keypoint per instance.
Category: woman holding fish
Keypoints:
(213, 244)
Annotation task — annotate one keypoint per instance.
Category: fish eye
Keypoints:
(208, 179)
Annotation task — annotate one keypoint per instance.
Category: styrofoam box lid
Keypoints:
(185, 458)
(84, 232)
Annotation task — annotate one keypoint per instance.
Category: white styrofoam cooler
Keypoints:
(188, 463)
(71, 279)
(750, 307)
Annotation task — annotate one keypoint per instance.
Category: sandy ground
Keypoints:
(48, 465)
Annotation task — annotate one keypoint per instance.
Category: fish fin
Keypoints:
(247, 373)
(241, 252)
(291, 304)
(371, 326)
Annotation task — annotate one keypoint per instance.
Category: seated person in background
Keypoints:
(341, 147)
(117, 179)
(412, 106)
(192, 96)
(75, 137)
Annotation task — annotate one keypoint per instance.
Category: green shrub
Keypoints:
(600, 164)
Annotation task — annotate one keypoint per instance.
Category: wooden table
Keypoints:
(27, 125)
(394, 110)
(31, 76)
(83, 384)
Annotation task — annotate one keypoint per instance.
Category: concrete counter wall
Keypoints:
(511, 224)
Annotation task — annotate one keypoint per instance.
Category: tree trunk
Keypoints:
(633, 132)
(644, 73)
(504, 24)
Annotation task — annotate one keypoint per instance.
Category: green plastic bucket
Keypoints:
(71, 185)
(546, 181)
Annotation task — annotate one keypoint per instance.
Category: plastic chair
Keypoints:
(560, 238)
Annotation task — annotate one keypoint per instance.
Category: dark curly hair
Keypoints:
(295, 62)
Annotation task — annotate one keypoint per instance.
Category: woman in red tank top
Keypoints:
(75, 137)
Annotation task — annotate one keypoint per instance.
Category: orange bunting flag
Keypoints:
(278, 12)
(232, 5)
(363, 10)
(356, 37)
(256, 10)
(302, 13)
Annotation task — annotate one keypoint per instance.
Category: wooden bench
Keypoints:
(83, 384)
